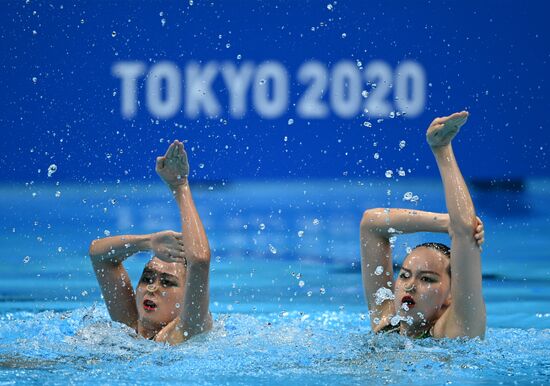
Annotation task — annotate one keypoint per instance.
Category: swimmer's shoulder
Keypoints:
(385, 326)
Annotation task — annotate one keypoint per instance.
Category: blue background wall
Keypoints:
(61, 103)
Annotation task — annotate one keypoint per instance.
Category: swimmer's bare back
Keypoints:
(171, 301)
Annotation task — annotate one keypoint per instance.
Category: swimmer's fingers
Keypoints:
(480, 235)
(480, 238)
(171, 150)
(177, 257)
(457, 119)
(168, 151)
(160, 163)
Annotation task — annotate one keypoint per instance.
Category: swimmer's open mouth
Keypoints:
(409, 301)
(149, 305)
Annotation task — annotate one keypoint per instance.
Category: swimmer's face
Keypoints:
(423, 286)
(159, 294)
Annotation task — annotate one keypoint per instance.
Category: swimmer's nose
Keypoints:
(152, 287)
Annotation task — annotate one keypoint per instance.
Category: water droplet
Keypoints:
(309, 293)
(407, 196)
(290, 121)
(34, 79)
(201, 166)
(163, 22)
(228, 45)
(367, 124)
(191, 2)
(344, 35)
(322, 290)
(300, 233)
(365, 93)
(392, 114)
(218, 259)
(408, 250)
(239, 56)
(52, 169)
(402, 144)
(26, 259)
(57, 194)
(113, 34)
(84, 293)
(383, 294)
(107, 232)
(378, 271)
(262, 226)
(315, 221)
(272, 249)
(177, 305)
(262, 81)
(389, 174)
(301, 283)
(376, 156)
(401, 172)
(330, 7)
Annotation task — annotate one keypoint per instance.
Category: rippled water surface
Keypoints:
(286, 290)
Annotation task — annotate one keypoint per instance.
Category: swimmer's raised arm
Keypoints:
(195, 317)
(377, 226)
(107, 255)
(466, 315)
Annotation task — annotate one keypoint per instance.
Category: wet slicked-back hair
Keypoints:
(439, 247)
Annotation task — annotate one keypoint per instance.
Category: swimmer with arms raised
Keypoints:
(438, 291)
(171, 300)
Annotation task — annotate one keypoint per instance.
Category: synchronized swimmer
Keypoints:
(438, 290)
(171, 301)
(434, 295)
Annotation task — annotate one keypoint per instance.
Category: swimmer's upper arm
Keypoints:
(117, 291)
(466, 316)
(376, 252)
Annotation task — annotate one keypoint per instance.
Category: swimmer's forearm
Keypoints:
(388, 222)
(196, 314)
(194, 236)
(461, 209)
(116, 249)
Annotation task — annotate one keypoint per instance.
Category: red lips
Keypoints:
(149, 305)
(408, 300)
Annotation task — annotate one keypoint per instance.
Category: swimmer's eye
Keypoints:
(429, 279)
(168, 283)
(147, 279)
(404, 275)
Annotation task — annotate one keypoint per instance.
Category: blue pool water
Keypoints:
(286, 290)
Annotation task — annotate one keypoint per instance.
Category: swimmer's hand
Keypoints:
(480, 233)
(173, 167)
(443, 130)
(168, 246)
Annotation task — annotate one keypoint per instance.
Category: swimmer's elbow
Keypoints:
(463, 226)
(96, 256)
(371, 219)
(92, 251)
